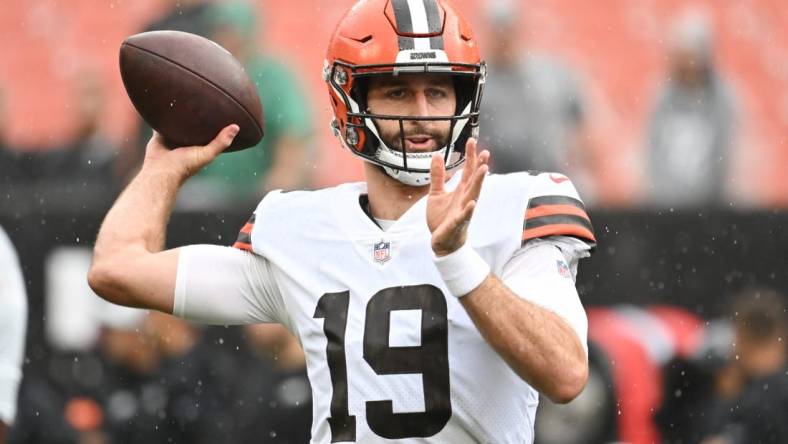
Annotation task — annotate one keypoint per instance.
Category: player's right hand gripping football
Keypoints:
(449, 212)
(186, 161)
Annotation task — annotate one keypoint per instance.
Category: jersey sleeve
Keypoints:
(554, 209)
(226, 286)
(244, 241)
(543, 272)
(13, 323)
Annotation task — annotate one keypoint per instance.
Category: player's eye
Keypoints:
(396, 93)
(437, 93)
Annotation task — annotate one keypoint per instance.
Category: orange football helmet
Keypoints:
(393, 37)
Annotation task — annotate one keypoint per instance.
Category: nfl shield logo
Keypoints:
(563, 269)
(382, 251)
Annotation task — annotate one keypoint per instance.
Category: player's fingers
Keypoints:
(157, 137)
(437, 174)
(463, 217)
(156, 142)
(484, 157)
(475, 187)
(470, 159)
(468, 211)
(223, 140)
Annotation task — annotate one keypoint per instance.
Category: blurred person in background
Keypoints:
(77, 172)
(698, 389)
(182, 15)
(276, 383)
(692, 129)
(14, 162)
(197, 381)
(281, 158)
(754, 385)
(82, 170)
(81, 395)
(7, 156)
(534, 116)
(13, 323)
(149, 378)
(97, 154)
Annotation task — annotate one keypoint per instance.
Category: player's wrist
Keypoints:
(446, 247)
(164, 172)
(462, 270)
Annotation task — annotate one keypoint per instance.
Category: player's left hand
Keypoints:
(449, 212)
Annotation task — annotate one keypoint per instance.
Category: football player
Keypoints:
(434, 302)
(13, 325)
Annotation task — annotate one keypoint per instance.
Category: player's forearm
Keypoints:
(138, 219)
(128, 267)
(134, 227)
(537, 344)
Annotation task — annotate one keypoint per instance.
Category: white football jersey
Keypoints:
(391, 354)
(13, 323)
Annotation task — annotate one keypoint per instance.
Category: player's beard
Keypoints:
(434, 129)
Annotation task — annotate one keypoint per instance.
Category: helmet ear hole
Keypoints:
(359, 92)
(464, 90)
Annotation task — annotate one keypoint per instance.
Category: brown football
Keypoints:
(188, 88)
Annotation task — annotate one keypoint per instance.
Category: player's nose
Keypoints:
(422, 105)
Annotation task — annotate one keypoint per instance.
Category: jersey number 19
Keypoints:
(430, 359)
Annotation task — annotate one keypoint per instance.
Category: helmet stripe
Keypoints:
(433, 16)
(426, 20)
(407, 43)
(402, 16)
(418, 17)
(404, 24)
(436, 42)
(434, 24)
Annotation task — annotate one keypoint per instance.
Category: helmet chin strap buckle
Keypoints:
(351, 136)
(335, 127)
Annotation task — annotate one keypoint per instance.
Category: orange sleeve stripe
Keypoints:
(558, 230)
(247, 228)
(243, 246)
(553, 210)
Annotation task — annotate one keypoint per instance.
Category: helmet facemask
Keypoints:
(362, 135)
